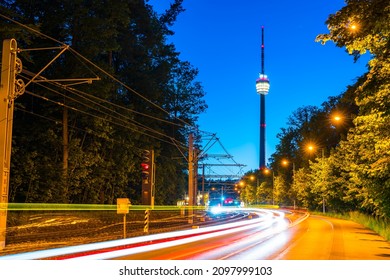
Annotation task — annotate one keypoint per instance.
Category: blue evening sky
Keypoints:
(222, 39)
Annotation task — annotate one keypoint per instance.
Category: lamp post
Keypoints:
(323, 180)
(285, 162)
(311, 148)
(267, 171)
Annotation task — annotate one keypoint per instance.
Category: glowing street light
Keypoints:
(286, 163)
(268, 171)
(337, 118)
(311, 148)
(353, 25)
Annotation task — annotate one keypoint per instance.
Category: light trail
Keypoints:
(123, 247)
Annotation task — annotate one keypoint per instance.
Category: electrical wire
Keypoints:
(120, 116)
(89, 131)
(98, 117)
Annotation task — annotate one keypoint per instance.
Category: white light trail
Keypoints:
(267, 218)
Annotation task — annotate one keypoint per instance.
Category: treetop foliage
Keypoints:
(82, 143)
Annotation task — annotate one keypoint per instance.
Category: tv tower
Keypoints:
(262, 88)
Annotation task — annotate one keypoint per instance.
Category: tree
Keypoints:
(353, 172)
(248, 194)
(360, 27)
(109, 123)
(280, 190)
(302, 189)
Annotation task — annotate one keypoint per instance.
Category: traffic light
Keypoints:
(148, 171)
(146, 166)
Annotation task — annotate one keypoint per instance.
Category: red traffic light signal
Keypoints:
(145, 166)
(145, 173)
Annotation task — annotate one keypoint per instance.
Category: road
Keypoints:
(315, 238)
(324, 238)
(263, 235)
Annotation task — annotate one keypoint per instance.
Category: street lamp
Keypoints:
(241, 183)
(340, 118)
(244, 182)
(267, 171)
(285, 162)
(311, 148)
(337, 118)
(354, 27)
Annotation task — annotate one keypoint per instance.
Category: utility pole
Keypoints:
(323, 182)
(153, 180)
(195, 175)
(65, 151)
(190, 178)
(10, 89)
(203, 199)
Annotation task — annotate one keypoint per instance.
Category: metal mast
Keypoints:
(262, 88)
(262, 50)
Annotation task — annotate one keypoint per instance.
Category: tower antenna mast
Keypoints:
(262, 50)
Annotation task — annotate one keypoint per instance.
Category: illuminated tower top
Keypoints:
(262, 83)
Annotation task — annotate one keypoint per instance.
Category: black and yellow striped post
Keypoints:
(146, 221)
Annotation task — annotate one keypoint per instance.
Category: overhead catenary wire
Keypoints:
(74, 127)
(99, 117)
(91, 98)
(119, 117)
(131, 89)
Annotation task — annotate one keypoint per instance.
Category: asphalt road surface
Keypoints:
(315, 238)
(323, 238)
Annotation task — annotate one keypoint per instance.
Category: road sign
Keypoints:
(122, 205)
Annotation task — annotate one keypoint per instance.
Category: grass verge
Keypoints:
(377, 224)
